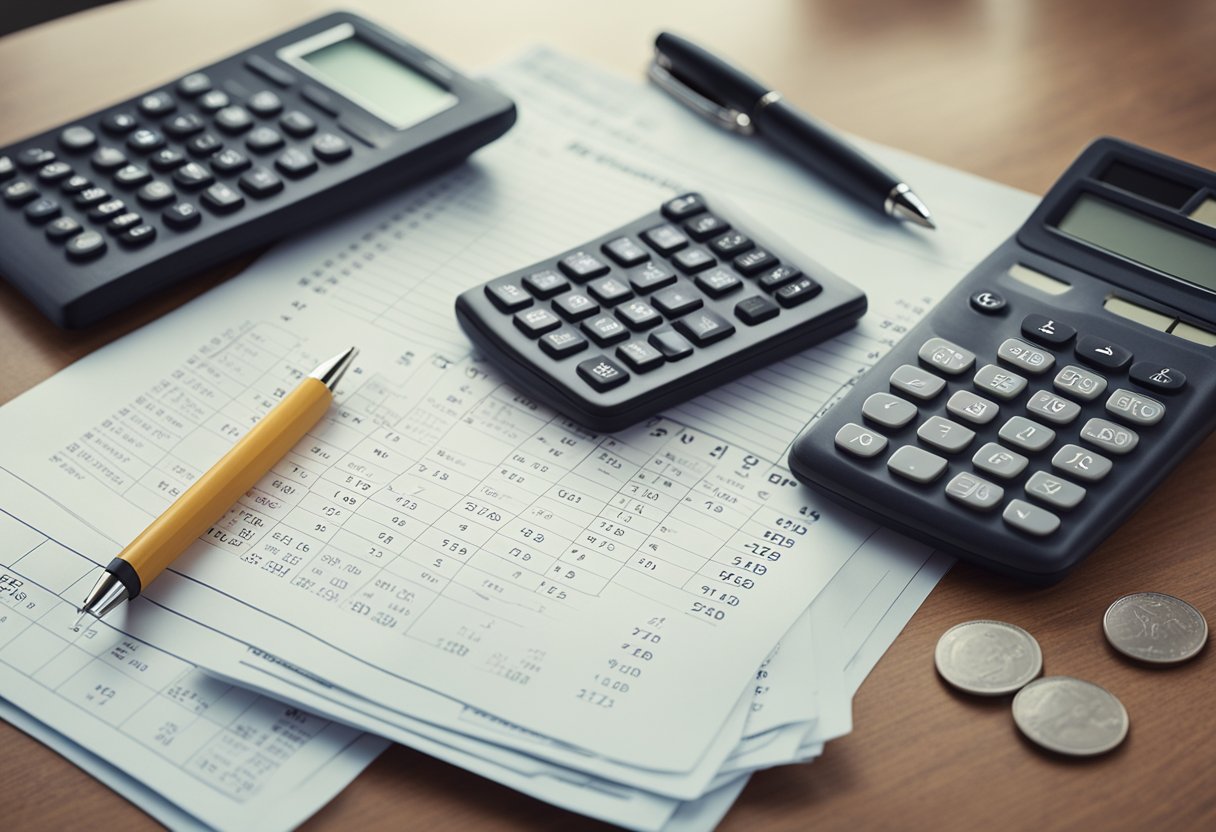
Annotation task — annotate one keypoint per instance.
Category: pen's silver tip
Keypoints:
(905, 205)
(105, 595)
(330, 372)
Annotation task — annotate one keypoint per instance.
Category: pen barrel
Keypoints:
(221, 486)
(821, 151)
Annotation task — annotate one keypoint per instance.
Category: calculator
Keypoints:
(318, 121)
(653, 313)
(1045, 397)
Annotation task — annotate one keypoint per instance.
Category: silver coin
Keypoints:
(1153, 627)
(989, 658)
(1070, 716)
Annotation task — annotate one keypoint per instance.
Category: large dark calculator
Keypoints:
(296, 130)
(1049, 393)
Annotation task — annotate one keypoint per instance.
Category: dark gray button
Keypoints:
(1100, 352)
(108, 158)
(987, 302)
(1047, 330)
(582, 266)
(55, 171)
(730, 244)
(157, 104)
(1030, 519)
(75, 184)
(705, 226)
(139, 235)
(917, 383)
(859, 441)
(234, 119)
(230, 160)
(295, 163)
(104, 211)
(1079, 383)
(574, 306)
(298, 124)
(672, 344)
(945, 435)
(19, 192)
(754, 261)
(998, 461)
(973, 492)
(685, 205)
(888, 411)
(214, 100)
(222, 199)
(693, 260)
(330, 147)
(1054, 491)
(705, 327)
(77, 138)
(1110, 437)
(508, 296)
(194, 84)
(181, 216)
(1025, 357)
(798, 292)
(677, 301)
(665, 239)
(1027, 434)
(602, 373)
(132, 176)
(118, 123)
(947, 357)
(183, 125)
(625, 251)
(264, 140)
(91, 196)
(193, 176)
(975, 409)
(123, 222)
(41, 210)
(264, 103)
(155, 193)
(718, 282)
(545, 284)
(35, 157)
(652, 276)
(1080, 463)
(1052, 408)
(7, 169)
(562, 343)
(609, 291)
(86, 245)
(755, 310)
(536, 322)
(641, 356)
(915, 464)
(1156, 377)
(996, 381)
(145, 140)
(62, 228)
(1134, 408)
(639, 315)
(776, 277)
(204, 145)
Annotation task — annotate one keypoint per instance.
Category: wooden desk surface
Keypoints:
(1007, 90)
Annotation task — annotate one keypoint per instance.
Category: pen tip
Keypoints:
(903, 204)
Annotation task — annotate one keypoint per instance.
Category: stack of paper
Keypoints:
(625, 625)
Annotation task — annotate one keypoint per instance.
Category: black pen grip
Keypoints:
(708, 74)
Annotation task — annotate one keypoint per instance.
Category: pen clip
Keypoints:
(727, 118)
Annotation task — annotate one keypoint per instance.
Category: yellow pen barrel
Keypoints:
(217, 490)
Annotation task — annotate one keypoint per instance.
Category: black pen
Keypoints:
(739, 103)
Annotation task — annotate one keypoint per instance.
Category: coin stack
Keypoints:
(1060, 713)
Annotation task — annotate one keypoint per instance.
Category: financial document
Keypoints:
(445, 561)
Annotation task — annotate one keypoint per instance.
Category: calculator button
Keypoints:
(1110, 437)
(945, 356)
(77, 138)
(1031, 519)
(7, 169)
(270, 71)
(545, 284)
(193, 176)
(35, 157)
(19, 192)
(605, 330)
(230, 160)
(139, 235)
(108, 158)
(123, 222)
(915, 464)
(1080, 463)
(755, 261)
(1098, 352)
(703, 227)
(999, 382)
(508, 296)
(609, 291)
(1134, 408)
(975, 409)
(774, 279)
(222, 199)
(756, 310)
(155, 193)
(62, 228)
(1054, 491)
(602, 373)
(1026, 434)
(213, 100)
(181, 216)
(988, 302)
(1025, 357)
(234, 119)
(108, 210)
(265, 103)
(798, 292)
(194, 84)
(119, 123)
(671, 344)
(186, 124)
(563, 343)
(858, 441)
(1052, 408)
(676, 301)
(582, 266)
(157, 104)
(75, 184)
(888, 411)
(42, 210)
(330, 147)
(144, 140)
(204, 145)
(683, 206)
(973, 492)
(917, 383)
(641, 356)
(638, 315)
(945, 435)
(704, 328)
(91, 196)
(166, 159)
(731, 244)
(132, 176)
(650, 277)
(665, 239)
(1156, 377)
(999, 462)
(536, 322)
(86, 245)
(693, 260)
(295, 163)
(574, 306)
(297, 124)
(1047, 331)
(718, 282)
(260, 182)
(625, 251)
(1079, 383)
(264, 140)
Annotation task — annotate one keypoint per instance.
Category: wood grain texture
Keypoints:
(1006, 90)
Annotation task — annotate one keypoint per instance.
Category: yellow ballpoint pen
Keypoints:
(215, 491)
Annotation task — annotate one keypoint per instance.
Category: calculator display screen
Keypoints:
(1141, 239)
(378, 82)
